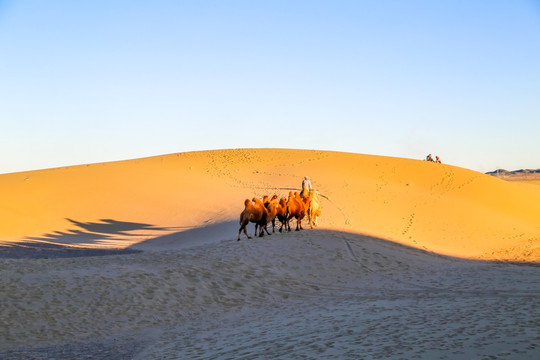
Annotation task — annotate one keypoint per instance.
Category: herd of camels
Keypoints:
(266, 211)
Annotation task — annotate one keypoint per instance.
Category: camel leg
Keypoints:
(244, 227)
(299, 225)
(245, 231)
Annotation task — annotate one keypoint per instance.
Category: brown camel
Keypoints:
(282, 214)
(303, 202)
(255, 212)
(263, 221)
(272, 209)
(296, 209)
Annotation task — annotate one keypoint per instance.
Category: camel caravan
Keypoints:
(265, 212)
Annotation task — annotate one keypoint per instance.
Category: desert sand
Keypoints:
(411, 260)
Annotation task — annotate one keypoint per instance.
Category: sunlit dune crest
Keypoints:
(435, 207)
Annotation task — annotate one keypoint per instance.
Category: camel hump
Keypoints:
(247, 203)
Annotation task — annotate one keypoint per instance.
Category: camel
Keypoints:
(302, 204)
(282, 214)
(305, 192)
(304, 196)
(296, 209)
(255, 212)
(272, 209)
(264, 219)
(314, 208)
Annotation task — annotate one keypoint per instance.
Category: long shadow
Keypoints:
(207, 234)
(214, 233)
(78, 241)
(113, 227)
(93, 233)
(60, 244)
(30, 250)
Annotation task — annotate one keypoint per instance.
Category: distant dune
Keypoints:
(519, 175)
(167, 201)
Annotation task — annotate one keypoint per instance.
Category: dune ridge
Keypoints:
(126, 204)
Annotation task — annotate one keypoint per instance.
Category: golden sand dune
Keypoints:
(436, 207)
(333, 292)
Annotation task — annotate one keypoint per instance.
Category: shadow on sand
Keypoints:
(93, 233)
(211, 233)
(79, 241)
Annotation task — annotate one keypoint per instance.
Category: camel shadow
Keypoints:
(195, 236)
(80, 240)
(94, 233)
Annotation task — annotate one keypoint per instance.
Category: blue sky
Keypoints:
(93, 81)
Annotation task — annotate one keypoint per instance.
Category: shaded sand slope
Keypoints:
(314, 294)
(430, 206)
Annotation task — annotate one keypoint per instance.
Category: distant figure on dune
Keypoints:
(430, 158)
(306, 185)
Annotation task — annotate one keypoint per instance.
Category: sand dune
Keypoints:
(436, 207)
(372, 282)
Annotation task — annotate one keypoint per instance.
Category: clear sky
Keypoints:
(94, 81)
